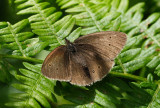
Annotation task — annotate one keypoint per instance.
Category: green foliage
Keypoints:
(132, 83)
(61, 30)
(35, 87)
(44, 22)
(5, 69)
(92, 17)
(114, 93)
(19, 42)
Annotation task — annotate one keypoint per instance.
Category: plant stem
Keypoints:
(128, 76)
(21, 58)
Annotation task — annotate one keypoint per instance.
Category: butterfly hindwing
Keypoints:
(79, 70)
(88, 66)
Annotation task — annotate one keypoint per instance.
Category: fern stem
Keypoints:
(47, 23)
(92, 16)
(21, 58)
(16, 39)
(128, 76)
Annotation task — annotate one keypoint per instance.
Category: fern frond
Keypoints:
(113, 93)
(96, 96)
(140, 59)
(147, 29)
(92, 13)
(128, 55)
(147, 38)
(43, 19)
(93, 18)
(44, 22)
(62, 29)
(142, 34)
(131, 17)
(19, 42)
(38, 89)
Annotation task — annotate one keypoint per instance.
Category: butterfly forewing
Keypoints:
(108, 43)
(55, 65)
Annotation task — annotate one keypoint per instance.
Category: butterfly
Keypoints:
(87, 60)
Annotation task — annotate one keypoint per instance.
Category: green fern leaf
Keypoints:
(20, 43)
(93, 18)
(131, 66)
(42, 22)
(154, 62)
(130, 17)
(128, 55)
(61, 31)
(36, 88)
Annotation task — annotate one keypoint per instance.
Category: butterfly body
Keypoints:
(87, 60)
(70, 47)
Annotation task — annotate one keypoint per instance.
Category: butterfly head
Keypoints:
(70, 46)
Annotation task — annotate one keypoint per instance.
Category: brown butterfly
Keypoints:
(88, 59)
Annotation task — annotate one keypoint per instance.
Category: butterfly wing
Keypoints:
(97, 63)
(88, 66)
(79, 70)
(98, 51)
(107, 43)
(92, 61)
(55, 65)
